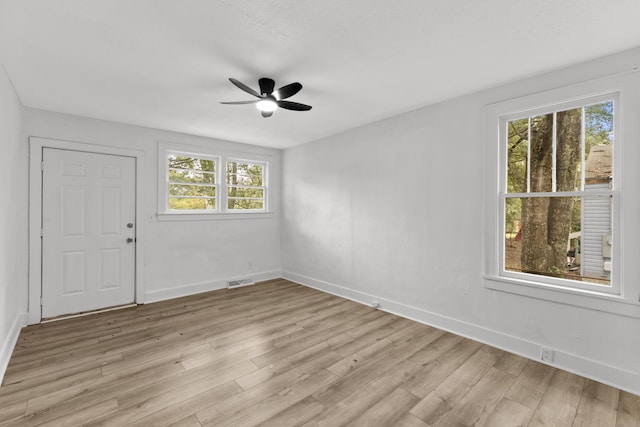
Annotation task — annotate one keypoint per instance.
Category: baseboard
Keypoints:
(9, 344)
(198, 288)
(606, 374)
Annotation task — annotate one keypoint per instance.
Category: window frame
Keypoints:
(627, 185)
(221, 157)
(504, 119)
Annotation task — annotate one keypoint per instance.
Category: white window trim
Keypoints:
(625, 299)
(221, 157)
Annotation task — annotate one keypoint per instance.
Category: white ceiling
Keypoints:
(165, 64)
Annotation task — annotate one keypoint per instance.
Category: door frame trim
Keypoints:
(36, 147)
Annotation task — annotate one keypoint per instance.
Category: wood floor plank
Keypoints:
(280, 354)
(67, 400)
(296, 415)
(30, 389)
(598, 405)
(531, 384)
(129, 414)
(559, 404)
(628, 410)
(190, 421)
(12, 411)
(436, 371)
(454, 388)
(84, 415)
(62, 370)
(350, 407)
(276, 403)
(388, 411)
(270, 371)
(256, 394)
(509, 413)
(477, 405)
(372, 369)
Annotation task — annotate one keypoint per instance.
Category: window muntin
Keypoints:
(191, 182)
(246, 188)
(557, 196)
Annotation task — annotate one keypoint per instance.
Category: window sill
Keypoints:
(576, 297)
(187, 216)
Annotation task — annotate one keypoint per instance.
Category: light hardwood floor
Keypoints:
(282, 354)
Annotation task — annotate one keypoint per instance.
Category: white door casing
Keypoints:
(88, 202)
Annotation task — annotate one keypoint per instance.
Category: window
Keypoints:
(557, 194)
(209, 185)
(245, 185)
(192, 183)
(599, 243)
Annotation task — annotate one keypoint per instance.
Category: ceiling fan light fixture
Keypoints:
(267, 105)
(269, 100)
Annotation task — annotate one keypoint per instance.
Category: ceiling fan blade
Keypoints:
(241, 102)
(244, 87)
(266, 114)
(295, 106)
(289, 90)
(266, 85)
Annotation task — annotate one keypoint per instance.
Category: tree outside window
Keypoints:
(557, 204)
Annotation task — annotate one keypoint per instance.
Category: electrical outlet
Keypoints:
(546, 354)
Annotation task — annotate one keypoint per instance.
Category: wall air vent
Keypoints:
(240, 282)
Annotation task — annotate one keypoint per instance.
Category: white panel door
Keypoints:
(88, 224)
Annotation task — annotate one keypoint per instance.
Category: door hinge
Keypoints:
(41, 302)
(42, 165)
(41, 232)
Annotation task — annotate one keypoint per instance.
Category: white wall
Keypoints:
(13, 221)
(393, 212)
(181, 257)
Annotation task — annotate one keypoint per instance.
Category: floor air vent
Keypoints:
(240, 282)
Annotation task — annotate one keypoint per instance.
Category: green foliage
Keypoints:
(191, 204)
(554, 143)
(191, 183)
(598, 124)
(245, 186)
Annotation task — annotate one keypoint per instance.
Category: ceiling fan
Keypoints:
(269, 100)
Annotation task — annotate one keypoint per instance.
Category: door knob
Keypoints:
(129, 240)
(130, 225)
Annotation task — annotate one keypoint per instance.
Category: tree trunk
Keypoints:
(546, 221)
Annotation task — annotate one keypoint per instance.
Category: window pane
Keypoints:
(245, 174)
(187, 203)
(191, 190)
(599, 139)
(193, 163)
(237, 179)
(568, 149)
(517, 153)
(566, 237)
(191, 176)
(245, 204)
(257, 193)
(541, 153)
(191, 169)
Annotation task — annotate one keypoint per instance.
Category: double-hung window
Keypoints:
(557, 196)
(206, 184)
(246, 188)
(561, 195)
